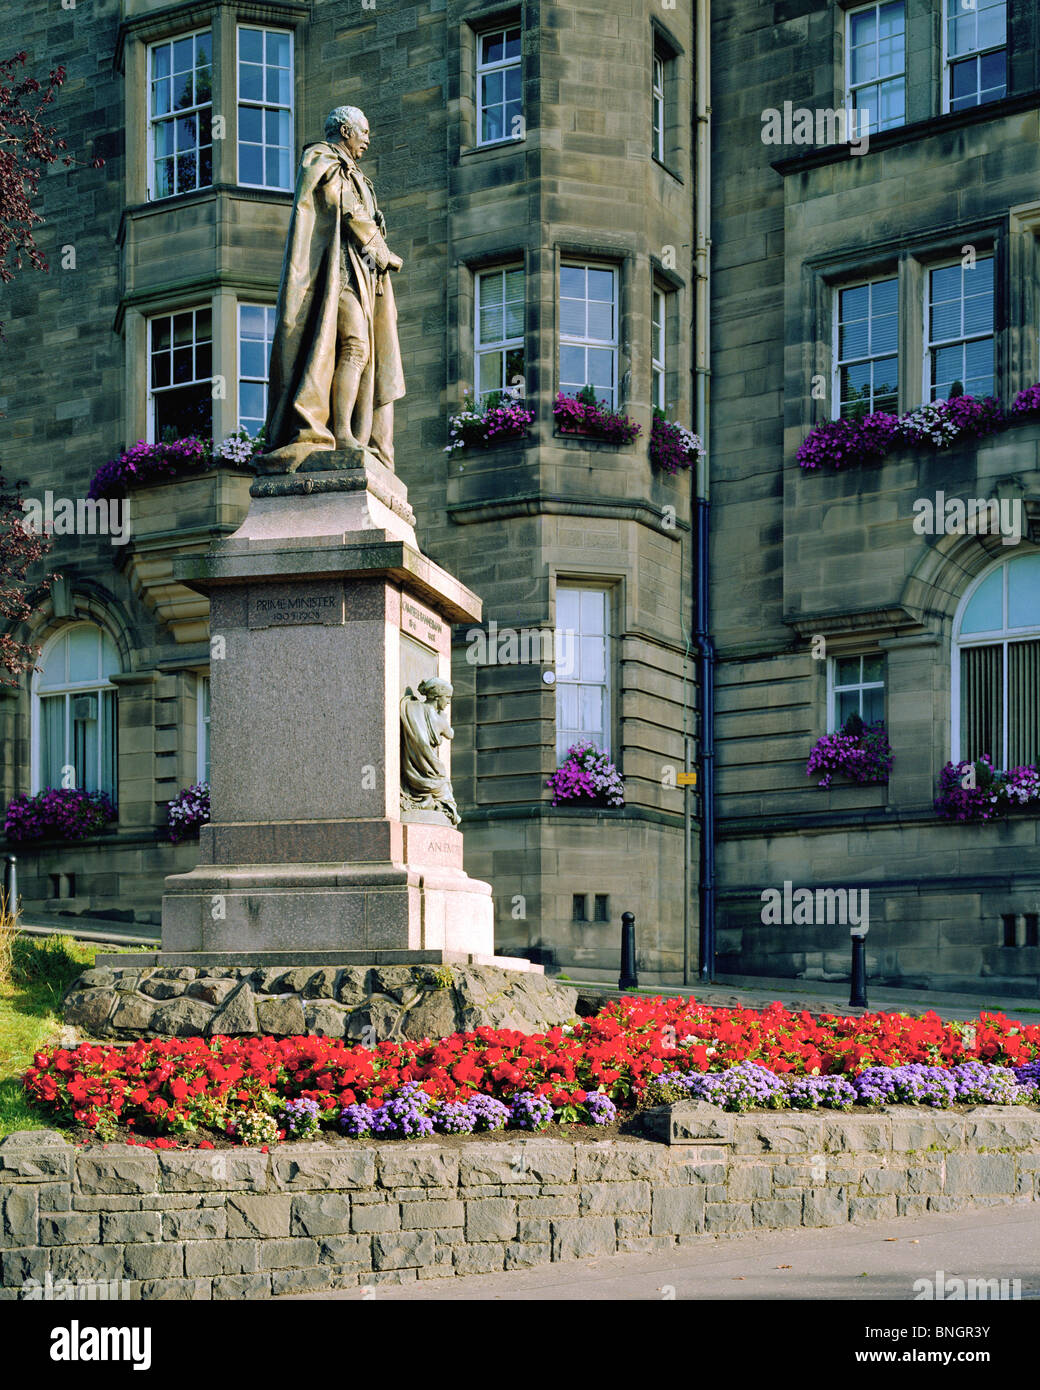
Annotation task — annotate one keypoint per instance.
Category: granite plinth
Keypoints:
(323, 612)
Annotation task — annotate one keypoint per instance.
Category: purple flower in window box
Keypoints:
(585, 415)
(860, 751)
(188, 810)
(587, 775)
(58, 813)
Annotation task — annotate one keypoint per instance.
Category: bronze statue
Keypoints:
(335, 361)
(424, 726)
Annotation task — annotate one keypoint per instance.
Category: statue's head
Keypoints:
(436, 690)
(348, 126)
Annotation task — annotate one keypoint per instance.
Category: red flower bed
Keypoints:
(181, 1085)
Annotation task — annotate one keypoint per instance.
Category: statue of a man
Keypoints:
(424, 726)
(335, 361)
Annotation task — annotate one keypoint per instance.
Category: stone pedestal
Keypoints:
(322, 612)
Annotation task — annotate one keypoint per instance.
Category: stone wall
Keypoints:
(316, 1216)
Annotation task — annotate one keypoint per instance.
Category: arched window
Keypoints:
(996, 668)
(74, 711)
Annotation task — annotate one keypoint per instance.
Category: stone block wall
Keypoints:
(309, 1217)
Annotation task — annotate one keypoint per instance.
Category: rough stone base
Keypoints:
(364, 1002)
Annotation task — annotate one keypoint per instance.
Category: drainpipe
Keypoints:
(701, 499)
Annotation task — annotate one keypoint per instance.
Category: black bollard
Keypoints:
(11, 884)
(627, 978)
(858, 992)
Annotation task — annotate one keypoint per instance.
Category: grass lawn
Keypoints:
(38, 971)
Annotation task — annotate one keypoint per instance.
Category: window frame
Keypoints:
(240, 377)
(606, 589)
(171, 314)
(659, 362)
(569, 340)
(480, 68)
(505, 345)
(264, 106)
(927, 384)
(837, 361)
(993, 637)
(658, 102)
(850, 87)
(151, 195)
(68, 690)
(834, 689)
(947, 61)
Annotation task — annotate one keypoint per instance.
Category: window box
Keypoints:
(672, 446)
(860, 752)
(936, 425)
(504, 419)
(585, 416)
(58, 814)
(976, 791)
(586, 777)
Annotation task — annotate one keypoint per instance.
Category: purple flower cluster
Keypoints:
(412, 1111)
(601, 1109)
(745, 1086)
(300, 1118)
(968, 1083)
(1027, 402)
(529, 1111)
(850, 442)
(504, 417)
(671, 445)
(187, 811)
(811, 1092)
(861, 751)
(750, 1086)
(587, 775)
(145, 463)
(407, 1112)
(489, 1113)
(356, 1120)
(584, 414)
(937, 424)
(979, 791)
(57, 813)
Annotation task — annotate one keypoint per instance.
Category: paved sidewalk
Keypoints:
(877, 1261)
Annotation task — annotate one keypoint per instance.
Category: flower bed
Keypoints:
(672, 446)
(937, 424)
(587, 777)
(860, 751)
(585, 415)
(188, 810)
(56, 813)
(979, 791)
(177, 458)
(636, 1052)
(504, 417)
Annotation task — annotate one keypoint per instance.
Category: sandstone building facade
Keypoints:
(534, 163)
(882, 277)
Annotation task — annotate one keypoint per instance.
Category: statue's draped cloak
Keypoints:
(421, 769)
(330, 228)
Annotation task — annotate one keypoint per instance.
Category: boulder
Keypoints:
(181, 1018)
(236, 1015)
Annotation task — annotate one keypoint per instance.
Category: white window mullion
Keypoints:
(589, 330)
(256, 325)
(265, 71)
